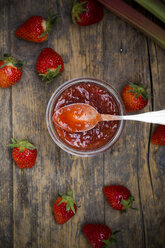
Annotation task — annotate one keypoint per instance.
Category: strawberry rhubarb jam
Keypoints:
(99, 98)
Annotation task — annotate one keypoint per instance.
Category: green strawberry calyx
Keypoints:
(8, 59)
(51, 20)
(21, 144)
(138, 90)
(50, 74)
(128, 203)
(78, 8)
(112, 239)
(68, 199)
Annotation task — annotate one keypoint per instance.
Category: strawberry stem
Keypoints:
(51, 74)
(21, 144)
(138, 90)
(69, 201)
(112, 239)
(78, 8)
(155, 7)
(15, 62)
(52, 19)
(128, 203)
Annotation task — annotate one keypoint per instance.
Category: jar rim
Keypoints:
(50, 108)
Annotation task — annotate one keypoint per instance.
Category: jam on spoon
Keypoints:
(79, 117)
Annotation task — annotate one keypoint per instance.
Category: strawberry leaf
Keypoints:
(21, 144)
(15, 62)
(78, 8)
(51, 74)
(68, 199)
(112, 239)
(52, 19)
(138, 90)
(107, 243)
(63, 200)
(128, 203)
(68, 206)
(4, 64)
(70, 193)
(72, 207)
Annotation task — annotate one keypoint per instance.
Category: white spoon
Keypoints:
(80, 117)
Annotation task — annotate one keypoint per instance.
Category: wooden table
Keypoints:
(111, 50)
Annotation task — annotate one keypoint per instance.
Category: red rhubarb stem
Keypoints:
(136, 19)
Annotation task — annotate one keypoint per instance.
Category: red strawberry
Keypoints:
(158, 137)
(87, 12)
(64, 208)
(99, 235)
(24, 153)
(134, 97)
(36, 28)
(119, 197)
(10, 70)
(49, 64)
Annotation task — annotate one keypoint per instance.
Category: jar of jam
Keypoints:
(99, 95)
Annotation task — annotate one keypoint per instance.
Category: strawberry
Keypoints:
(64, 208)
(87, 12)
(99, 235)
(49, 64)
(134, 97)
(158, 137)
(119, 197)
(24, 153)
(36, 28)
(10, 70)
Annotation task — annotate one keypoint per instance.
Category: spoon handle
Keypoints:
(157, 117)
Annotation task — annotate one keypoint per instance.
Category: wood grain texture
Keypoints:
(6, 170)
(110, 50)
(156, 153)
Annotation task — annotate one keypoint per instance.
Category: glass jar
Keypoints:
(50, 109)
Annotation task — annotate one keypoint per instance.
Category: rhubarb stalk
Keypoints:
(155, 7)
(138, 20)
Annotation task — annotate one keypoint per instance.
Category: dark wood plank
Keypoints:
(157, 153)
(6, 176)
(126, 59)
(29, 100)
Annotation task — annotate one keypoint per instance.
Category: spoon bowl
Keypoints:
(78, 117)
